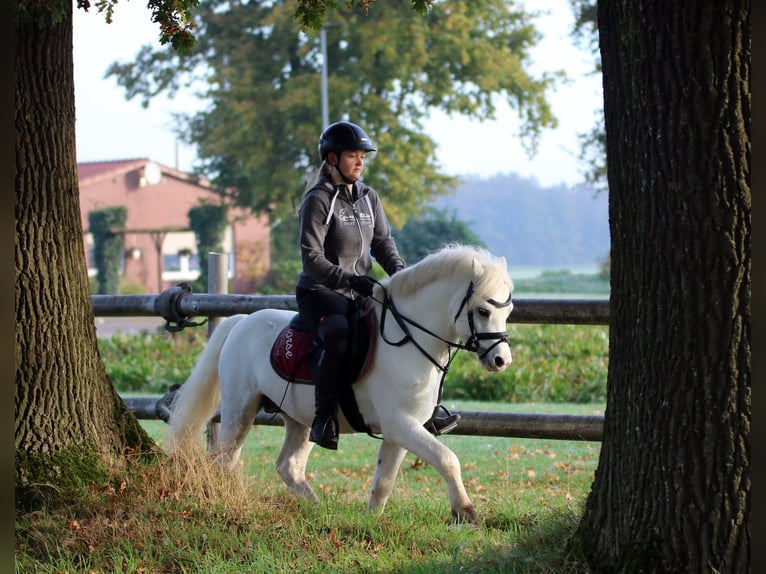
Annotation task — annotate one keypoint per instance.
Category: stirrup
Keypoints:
(327, 435)
(439, 425)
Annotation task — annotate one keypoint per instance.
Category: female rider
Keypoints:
(342, 225)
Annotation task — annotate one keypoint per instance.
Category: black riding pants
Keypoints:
(326, 313)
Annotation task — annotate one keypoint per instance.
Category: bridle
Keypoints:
(472, 344)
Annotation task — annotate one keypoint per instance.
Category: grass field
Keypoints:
(493, 467)
(171, 517)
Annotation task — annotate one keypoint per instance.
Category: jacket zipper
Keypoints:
(361, 235)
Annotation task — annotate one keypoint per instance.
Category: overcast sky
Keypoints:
(109, 127)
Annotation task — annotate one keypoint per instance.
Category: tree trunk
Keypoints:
(64, 399)
(672, 487)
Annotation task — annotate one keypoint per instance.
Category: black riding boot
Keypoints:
(324, 429)
(441, 422)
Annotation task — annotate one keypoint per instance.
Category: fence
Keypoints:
(178, 306)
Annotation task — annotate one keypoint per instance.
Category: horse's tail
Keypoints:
(200, 396)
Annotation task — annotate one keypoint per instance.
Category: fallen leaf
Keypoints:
(334, 539)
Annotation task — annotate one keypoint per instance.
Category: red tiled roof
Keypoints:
(89, 170)
(89, 173)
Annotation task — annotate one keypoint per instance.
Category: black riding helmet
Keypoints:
(343, 136)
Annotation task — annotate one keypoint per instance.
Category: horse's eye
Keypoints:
(483, 312)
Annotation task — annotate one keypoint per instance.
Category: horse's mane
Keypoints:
(450, 260)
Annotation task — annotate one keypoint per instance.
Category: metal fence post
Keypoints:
(217, 283)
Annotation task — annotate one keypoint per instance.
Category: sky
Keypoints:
(109, 127)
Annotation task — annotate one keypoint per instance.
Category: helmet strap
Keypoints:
(336, 165)
(343, 175)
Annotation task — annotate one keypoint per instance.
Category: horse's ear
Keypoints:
(478, 269)
(502, 262)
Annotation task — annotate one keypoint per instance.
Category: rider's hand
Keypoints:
(362, 284)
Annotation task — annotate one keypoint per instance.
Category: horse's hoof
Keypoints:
(466, 518)
(464, 526)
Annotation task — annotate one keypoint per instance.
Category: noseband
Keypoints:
(472, 344)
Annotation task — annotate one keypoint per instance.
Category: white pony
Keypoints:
(456, 298)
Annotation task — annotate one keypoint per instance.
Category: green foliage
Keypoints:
(431, 230)
(563, 281)
(284, 236)
(151, 362)
(551, 363)
(127, 285)
(174, 18)
(312, 14)
(176, 24)
(387, 70)
(107, 226)
(208, 221)
(281, 277)
(43, 13)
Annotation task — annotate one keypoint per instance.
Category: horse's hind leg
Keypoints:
(292, 459)
(390, 457)
(236, 421)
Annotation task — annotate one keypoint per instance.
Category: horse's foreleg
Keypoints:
(390, 457)
(418, 441)
(292, 459)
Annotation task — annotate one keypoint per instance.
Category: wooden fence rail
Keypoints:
(175, 302)
(472, 423)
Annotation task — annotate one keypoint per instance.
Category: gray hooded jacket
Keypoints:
(339, 236)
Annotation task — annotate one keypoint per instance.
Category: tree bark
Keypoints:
(672, 487)
(63, 395)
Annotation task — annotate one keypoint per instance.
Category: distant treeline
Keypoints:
(532, 225)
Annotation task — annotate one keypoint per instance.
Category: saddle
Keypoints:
(295, 351)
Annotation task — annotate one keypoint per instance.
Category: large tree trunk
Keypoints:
(672, 487)
(64, 399)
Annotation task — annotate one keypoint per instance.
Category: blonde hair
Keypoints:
(311, 181)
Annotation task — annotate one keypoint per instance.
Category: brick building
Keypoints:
(160, 248)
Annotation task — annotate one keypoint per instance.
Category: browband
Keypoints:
(498, 304)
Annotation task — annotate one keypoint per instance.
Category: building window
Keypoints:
(171, 262)
(181, 266)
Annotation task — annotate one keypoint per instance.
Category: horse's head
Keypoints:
(479, 304)
(482, 313)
